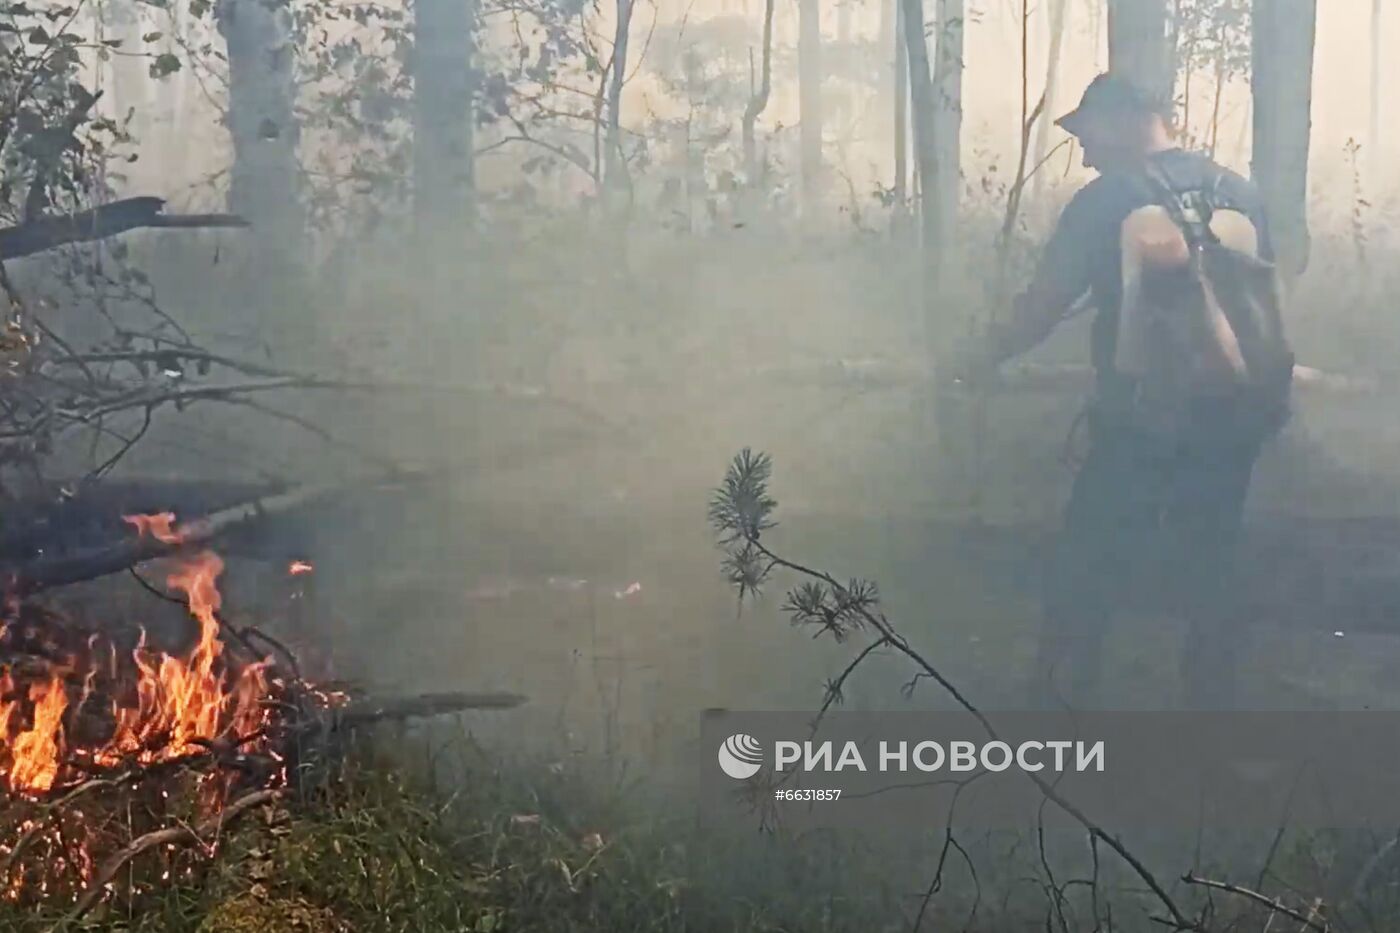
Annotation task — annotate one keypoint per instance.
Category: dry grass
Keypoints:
(374, 849)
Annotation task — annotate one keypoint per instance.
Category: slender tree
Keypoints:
(1140, 46)
(947, 100)
(129, 85)
(758, 96)
(1374, 136)
(172, 99)
(809, 82)
(1058, 13)
(262, 123)
(923, 109)
(615, 177)
(443, 171)
(1283, 38)
(901, 116)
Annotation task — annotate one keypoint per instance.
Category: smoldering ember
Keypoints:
(422, 421)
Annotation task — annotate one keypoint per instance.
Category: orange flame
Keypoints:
(160, 526)
(180, 704)
(36, 749)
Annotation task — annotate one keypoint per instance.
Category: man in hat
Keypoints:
(1131, 497)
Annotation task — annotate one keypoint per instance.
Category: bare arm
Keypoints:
(1035, 314)
(1061, 279)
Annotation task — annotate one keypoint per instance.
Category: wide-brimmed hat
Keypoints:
(1110, 95)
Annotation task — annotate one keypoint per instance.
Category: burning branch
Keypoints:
(48, 572)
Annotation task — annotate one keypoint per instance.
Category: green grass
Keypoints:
(529, 848)
(389, 845)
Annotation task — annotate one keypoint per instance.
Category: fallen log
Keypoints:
(101, 222)
(361, 712)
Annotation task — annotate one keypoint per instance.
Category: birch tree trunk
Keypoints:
(809, 81)
(169, 110)
(924, 112)
(615, 176)
(1284, 33)
(1139, 45)
(1374, 136)
(129, 81)
(443, 115)
(1057, 15)
(263, 186)
(901, 119)
(947, 127)
(758, 98)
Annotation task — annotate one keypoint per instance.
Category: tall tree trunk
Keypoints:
(885, 39)
(129, 81)
(924, 111)
(443, 169)
(1057, 15)
(172, 94)
(1284, 33)
(615, 176)
(1139, 45)
(264, 180)
(901, 118)
(947, 128)
(1374, 136)
(758, 97)
(809, 81)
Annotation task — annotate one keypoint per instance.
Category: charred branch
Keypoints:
(46, 573)
(102, 222)
(366, 711)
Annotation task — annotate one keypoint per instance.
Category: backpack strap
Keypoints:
(1192, 218)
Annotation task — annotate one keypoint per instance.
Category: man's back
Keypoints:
(1085, 254)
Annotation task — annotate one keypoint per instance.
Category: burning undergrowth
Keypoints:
(112, 746)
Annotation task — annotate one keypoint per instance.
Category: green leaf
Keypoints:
(151, 37)
(39, 36)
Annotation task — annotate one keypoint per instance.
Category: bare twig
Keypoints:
(741, 509)
(177, 835)
(1272, 903)
(897, 641)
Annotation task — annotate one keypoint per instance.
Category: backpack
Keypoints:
(1201, 327)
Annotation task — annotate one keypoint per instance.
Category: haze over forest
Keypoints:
(450, 315)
